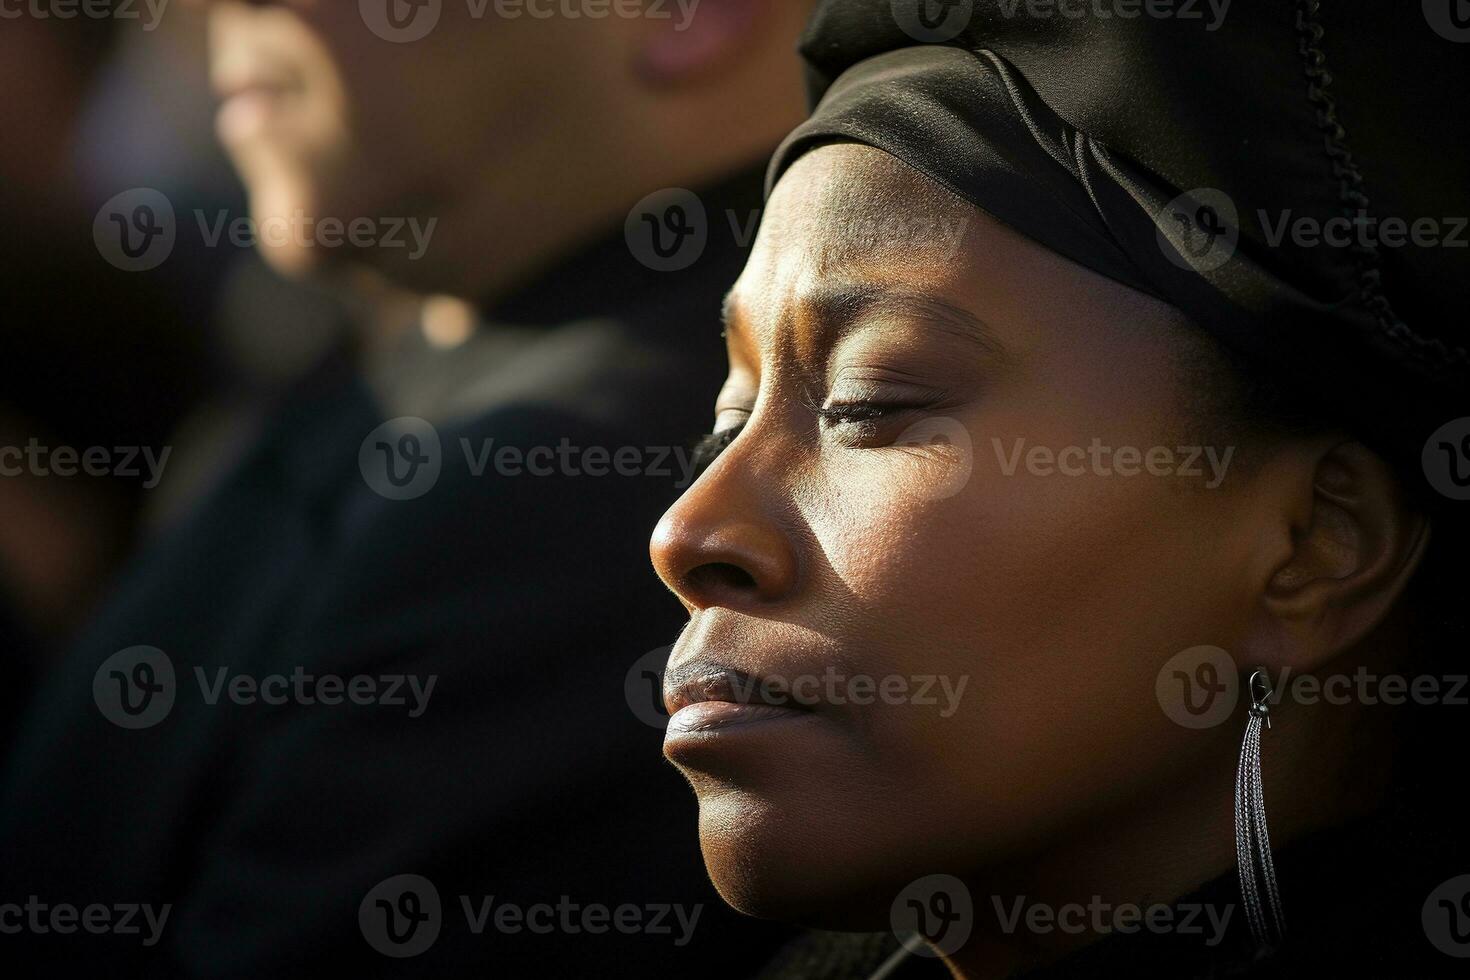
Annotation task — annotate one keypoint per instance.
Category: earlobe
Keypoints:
(1355, 544)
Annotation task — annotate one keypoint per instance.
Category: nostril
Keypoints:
(719, 578)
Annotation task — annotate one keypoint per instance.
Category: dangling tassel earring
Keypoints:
(1252, 844)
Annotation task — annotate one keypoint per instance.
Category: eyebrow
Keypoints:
(839, 307)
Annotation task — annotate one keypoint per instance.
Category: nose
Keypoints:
(722, 544)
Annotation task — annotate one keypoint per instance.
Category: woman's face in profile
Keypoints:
(966, 514)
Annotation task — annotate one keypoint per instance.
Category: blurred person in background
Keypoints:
(496, 610)
(96, 359)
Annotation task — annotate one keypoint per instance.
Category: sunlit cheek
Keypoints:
(935, 459)
(888, 519)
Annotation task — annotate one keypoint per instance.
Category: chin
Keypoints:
(796, 861)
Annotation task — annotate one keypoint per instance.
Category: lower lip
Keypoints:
(717, 716)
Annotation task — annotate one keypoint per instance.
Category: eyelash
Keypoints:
(865, 415)
(708, 447)
(855, 412)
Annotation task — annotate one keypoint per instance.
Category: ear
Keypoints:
(1353, 544)
(692, 39)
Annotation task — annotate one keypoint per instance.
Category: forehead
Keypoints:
(850, 222)
(849, 218)
(850, 203)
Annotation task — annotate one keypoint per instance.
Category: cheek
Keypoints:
(1048, 602)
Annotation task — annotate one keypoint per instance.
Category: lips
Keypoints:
(704, 698)
(721, 684)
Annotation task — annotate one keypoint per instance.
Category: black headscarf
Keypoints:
(1165, 151)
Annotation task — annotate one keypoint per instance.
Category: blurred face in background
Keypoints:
(512, 130)
(324, 117)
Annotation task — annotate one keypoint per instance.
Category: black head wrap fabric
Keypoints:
(1190, 153)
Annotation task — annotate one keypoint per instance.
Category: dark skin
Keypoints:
(818, 538)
